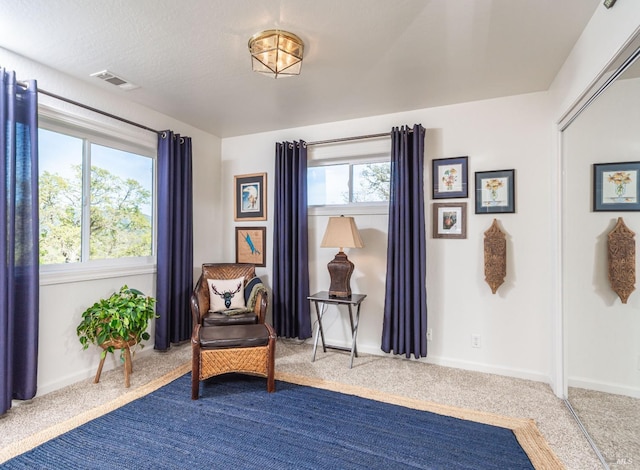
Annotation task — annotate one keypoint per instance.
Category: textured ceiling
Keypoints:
(362, 57)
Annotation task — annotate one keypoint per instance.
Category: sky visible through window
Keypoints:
(330, 184)
(59, 153)
(125, 165)
(327, 185)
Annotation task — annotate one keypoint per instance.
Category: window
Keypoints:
(96, 197)
(349, 183)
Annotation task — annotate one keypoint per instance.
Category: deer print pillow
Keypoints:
(225, 294)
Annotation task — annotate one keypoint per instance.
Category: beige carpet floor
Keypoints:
(613, 422)
(393, 375)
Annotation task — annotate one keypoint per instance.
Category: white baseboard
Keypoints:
(455, 363)
(84, 374)
(489, 369)
(606, 387)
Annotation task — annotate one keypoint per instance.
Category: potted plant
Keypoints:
(118, 322)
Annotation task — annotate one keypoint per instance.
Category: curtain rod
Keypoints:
(357, 137)
(347, 139)
(90, 108)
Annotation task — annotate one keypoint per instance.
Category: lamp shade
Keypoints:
(277, 53)
(341, 233)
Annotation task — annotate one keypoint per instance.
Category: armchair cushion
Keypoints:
(226, 294)
(240, 336)
(221, 318)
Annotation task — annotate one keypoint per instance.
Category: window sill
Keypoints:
(77, 272)
(364, 209)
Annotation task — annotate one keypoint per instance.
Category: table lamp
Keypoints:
(341, 233)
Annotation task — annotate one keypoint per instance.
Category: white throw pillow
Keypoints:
(225, 294)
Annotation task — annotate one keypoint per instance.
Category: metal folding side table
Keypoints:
(354, 300)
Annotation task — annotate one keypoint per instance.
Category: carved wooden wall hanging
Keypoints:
(495, 256)
(622, 260)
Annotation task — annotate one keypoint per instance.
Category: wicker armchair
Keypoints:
(200, 298)
(244, 349)
(221, 343)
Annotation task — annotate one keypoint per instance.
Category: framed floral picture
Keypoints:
(450, 220)
(250, 201)
(450, 178)
(616, 186)
(495, 192)
(251, 244)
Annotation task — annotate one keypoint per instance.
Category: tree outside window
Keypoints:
(348, 183)
(119, 214)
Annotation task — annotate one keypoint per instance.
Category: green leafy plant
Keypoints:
(120, 319)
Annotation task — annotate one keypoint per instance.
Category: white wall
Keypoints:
(517, 325)
(497, 134)
(522, 325)
(61, 360)
(607, 33)
(603, 335)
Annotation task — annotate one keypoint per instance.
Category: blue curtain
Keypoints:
(175, 240)
(291, 316)
(19, 278)
(404, 329)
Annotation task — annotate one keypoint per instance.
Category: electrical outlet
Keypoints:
(430, 334)
(476, 341)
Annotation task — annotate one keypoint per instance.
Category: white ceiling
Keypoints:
(362, 57)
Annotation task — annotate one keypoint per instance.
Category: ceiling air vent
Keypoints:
(115, 80)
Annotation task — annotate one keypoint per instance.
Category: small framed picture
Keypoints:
(450, 178)
(495, 191)
(450, 220)
(251, 245)
(616, 186)
(250, 201)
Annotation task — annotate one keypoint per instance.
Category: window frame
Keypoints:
(104, 134)
(350, 208)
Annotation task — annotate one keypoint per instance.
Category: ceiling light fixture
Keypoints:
(277, 53)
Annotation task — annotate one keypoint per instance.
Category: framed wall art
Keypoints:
(250, 201)
(251, 245)
(495, 192)
(450, 178)
(616, 186)
(450, 220)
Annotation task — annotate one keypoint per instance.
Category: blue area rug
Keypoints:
(236, 424)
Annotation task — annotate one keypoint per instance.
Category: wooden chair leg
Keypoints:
(271, 360)
(271, 383)
(195, 371)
